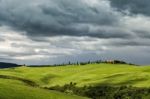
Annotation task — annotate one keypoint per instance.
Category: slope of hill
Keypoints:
(23, 80)
(7, 65)
(84, 75)
(13, 89)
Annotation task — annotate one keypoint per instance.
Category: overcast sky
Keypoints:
(57, 31)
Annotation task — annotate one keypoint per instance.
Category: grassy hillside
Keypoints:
(84, 75)
(13, 89)
(27, 82)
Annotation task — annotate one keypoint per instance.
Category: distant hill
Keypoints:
(7, 65)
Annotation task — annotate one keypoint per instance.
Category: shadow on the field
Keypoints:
(115, 80)
(114, 76)
(47, 78)
(26, 81)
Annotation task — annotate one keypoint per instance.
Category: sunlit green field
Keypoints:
(92, 74)
(138, 76)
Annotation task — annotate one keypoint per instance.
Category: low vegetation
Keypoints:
(105, 91)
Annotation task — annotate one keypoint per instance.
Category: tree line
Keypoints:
(93, 62)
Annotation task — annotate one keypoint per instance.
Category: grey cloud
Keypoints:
(59, 17)
(131, 43)
(143, 34)
(52, 31)
(134, 6)
(1, 40)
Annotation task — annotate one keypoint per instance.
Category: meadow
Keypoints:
(28, 82)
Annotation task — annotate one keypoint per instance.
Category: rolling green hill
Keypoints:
(14, 89)
(87, 74)
(27, 82)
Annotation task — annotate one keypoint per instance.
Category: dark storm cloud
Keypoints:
(59, 17)
(131, 43)
(134, 6)
(143, 34)
(52, 31)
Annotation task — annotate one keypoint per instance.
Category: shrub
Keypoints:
(104, 91)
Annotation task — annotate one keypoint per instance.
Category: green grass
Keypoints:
(92, 74)
(88, 74)
(13, 89)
